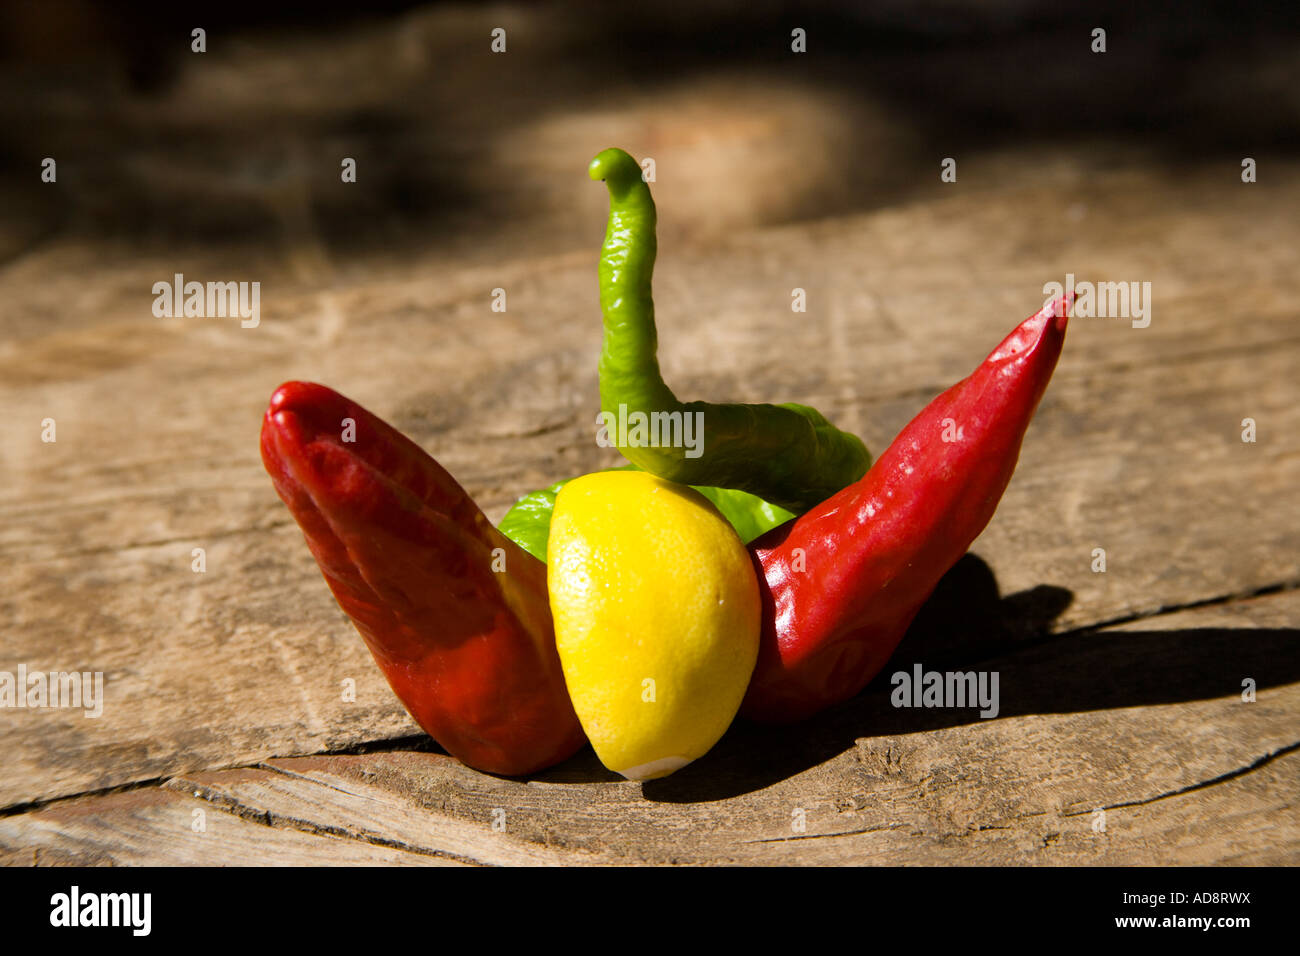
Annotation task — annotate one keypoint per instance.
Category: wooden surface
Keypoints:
(1120, 691)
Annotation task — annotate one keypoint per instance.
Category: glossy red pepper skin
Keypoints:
(469, 651)
(841, 583)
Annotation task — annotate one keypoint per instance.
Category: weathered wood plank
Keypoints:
(1136, 448)
(1143, 721)
(292, 792)
(157, 827)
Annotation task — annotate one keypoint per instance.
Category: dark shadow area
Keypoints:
(999, 72)
(583, 767)
(965, 626)
(94, 87)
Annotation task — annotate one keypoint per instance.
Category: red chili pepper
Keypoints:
(844, 580)
(461, 629)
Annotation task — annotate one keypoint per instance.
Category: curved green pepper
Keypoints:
(788, 454)
(528, 523)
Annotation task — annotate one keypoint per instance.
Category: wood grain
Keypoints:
(224, 689)
(1136, 449)
(1158, 761)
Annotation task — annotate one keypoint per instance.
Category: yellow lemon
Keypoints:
(656, 612)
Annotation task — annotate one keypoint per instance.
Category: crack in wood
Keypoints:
(1190, 788)
(33, 806)
(1221, 599)
(271, 768)
(273, 820)
(418, 742)
(818, 836)
(1201, 785)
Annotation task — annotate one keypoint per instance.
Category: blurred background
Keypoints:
(458, 146)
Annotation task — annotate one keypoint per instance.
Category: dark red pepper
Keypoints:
(841, 583)
(461, 629)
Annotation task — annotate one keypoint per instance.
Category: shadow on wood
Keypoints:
(965, 623)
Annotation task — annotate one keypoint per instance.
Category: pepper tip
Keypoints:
(281, 397)
(615, 166)
(1061, 309)
(1058, 309)
(296, 394)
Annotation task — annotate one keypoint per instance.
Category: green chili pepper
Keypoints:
(787, 454)
(528, 523)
